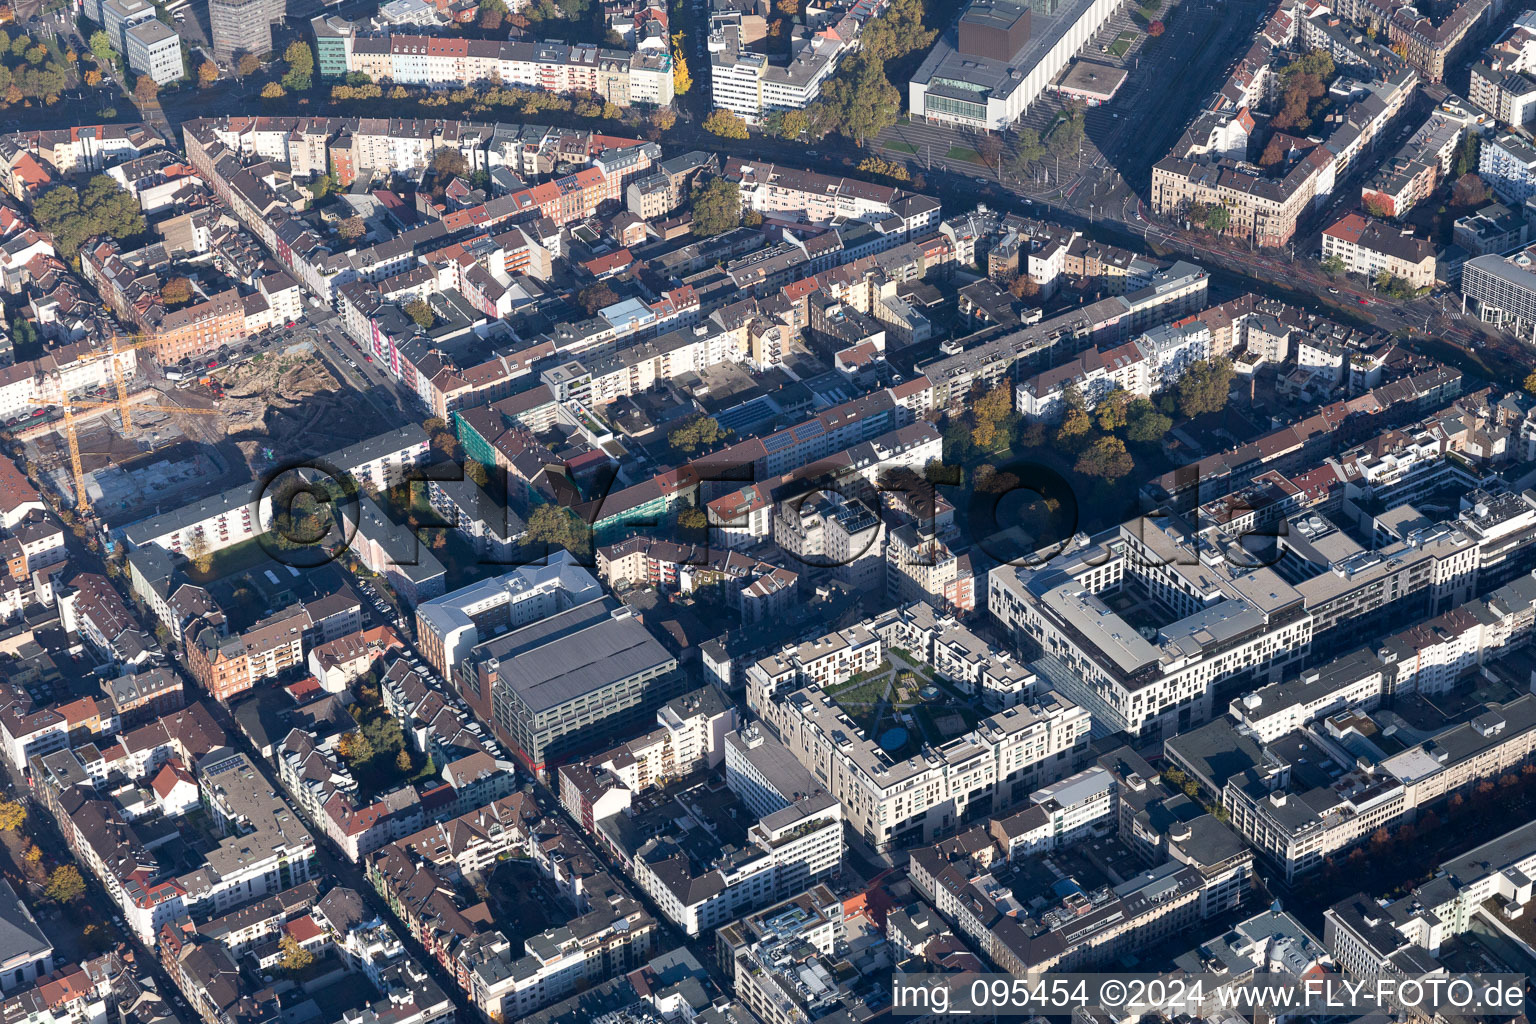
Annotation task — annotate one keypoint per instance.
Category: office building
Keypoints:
(1502, 291)
(239, 27)
(988, 69)
(154, 49)
(573, 679)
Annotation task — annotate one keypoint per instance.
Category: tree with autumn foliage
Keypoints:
(177, 291)
(295, 957)
(1105, 458)
(207, 73)
(65, 885)
(1275, 152)
(682, 81)
(726, 124)
(988, 414)
(12, 814)
(354, 748)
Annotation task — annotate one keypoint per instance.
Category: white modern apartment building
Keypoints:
(894, 802)
(995, 677)
(1369, 937)
(1101, 661)
(751, 83)
(790, 850)
(1308, 796)
(244, 512)
(1508, 165)
(450, 626)
(620, 77)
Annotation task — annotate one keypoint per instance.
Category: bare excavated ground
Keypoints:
(288, 407)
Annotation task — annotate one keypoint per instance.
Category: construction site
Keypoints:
(290, 406)
(195, 437)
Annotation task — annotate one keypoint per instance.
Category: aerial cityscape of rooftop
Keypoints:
(767, 511)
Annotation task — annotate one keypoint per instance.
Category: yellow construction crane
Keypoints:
(117, 376)
(68, 406)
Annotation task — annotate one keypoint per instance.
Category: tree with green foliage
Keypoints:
(492, 13)
(101, 48)
(560, 526)
(1394, 287)
(897, 32)
(1105, 458)
(702, 432)
(1333, 266)
(420, 312)
(102, 208)
(787, 124)
(1112, 410)
(1205, 386)
(1144, 424)
(1469, 155)
(65, 885)
(1066, 136)
(301, 66)
(1027, 151)
(716, 207)
(322, 186)
(859, 101)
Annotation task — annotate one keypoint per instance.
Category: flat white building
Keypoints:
(987, 70)
(154, 49)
